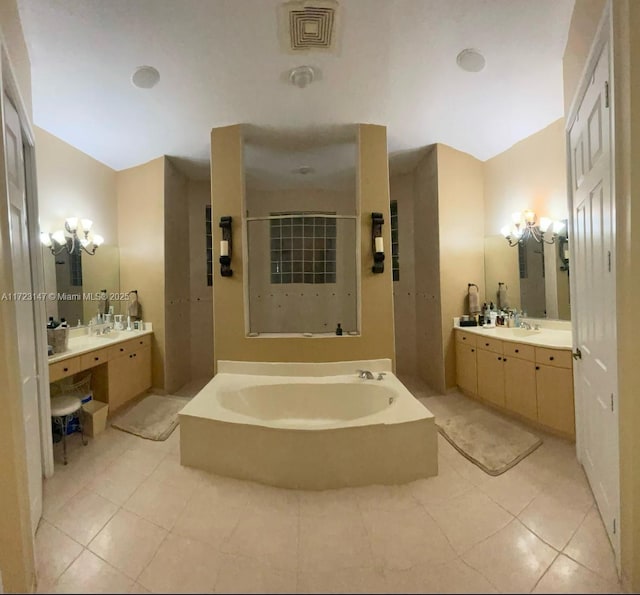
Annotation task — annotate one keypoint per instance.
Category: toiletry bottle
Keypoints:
(339, 330)
(63, 323)
(51, 323)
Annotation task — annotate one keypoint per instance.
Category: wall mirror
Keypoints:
(81, 276)
(536, 275)
(302, 232)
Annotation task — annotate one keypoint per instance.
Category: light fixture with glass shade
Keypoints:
(525, 225)
(75, 237)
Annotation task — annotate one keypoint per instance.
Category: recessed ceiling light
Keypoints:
(301, 76)
(145, 77)
(471, 60)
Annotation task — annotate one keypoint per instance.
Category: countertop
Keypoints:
(84, 343)
(544, 337)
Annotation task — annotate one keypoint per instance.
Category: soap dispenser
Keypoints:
(339, 330)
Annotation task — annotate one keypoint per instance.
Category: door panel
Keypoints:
(24, 308)
(594, 311)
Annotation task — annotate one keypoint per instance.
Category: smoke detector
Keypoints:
(308, 25)
(471, 60)
(145, 77)
(301, 76)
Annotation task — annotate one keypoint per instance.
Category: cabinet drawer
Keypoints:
(466, 338)
(94, 358)
(519, 350)
(488, 344)
(561, 358)
(64, 368)
(130, 346)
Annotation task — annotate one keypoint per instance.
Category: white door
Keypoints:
(594, 302)
(23, 286)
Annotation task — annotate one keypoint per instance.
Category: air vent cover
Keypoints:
(309, 25)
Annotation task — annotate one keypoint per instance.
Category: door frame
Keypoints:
(10, 89)
(604, 35)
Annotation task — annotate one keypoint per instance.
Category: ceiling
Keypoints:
(221, 62)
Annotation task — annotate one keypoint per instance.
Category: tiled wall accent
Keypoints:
(303, 248)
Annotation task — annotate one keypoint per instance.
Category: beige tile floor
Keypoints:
(125, 516)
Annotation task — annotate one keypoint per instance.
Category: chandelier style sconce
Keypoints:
(73, 239)
(525, 226)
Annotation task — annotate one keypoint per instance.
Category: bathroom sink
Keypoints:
(519, 332)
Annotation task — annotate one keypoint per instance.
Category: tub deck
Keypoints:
(393, 445)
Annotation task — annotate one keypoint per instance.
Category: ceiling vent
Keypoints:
(309, 25)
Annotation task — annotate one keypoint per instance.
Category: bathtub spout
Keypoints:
(365, 374)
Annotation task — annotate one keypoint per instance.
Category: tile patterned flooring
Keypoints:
(125, 517)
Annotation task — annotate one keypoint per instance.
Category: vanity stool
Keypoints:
(64, 408)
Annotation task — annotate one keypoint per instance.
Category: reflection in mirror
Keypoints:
(81, 276)
(536, 275)
(301, 230)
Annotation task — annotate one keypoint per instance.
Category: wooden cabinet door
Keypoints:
(466, 369)
(490, 376)
(555, 398)
(142, 369)
(520, 387)
(120, 374)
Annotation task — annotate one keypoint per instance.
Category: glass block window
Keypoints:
(209, 242)
(395, 259)
(303, 248)
(75, 267)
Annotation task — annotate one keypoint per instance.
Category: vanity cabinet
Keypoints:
(490, 377)
(129, 375)
(466, 371)
(119, 372)
(533, 383)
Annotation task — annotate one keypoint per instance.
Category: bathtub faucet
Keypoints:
(365, 374)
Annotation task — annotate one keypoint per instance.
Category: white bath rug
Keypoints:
(493, 443)
(154, 417)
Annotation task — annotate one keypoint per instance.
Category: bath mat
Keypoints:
(491, 442)
(154, 417)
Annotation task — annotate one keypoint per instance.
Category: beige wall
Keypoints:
(529, 175)
(177, 273)
(301, 307)
(201, 295)
(17, 564)
(70, 183)
(430, 357)
(404, 290)
(377, 338)
(460, 199)
(626, 36)
(141, 230)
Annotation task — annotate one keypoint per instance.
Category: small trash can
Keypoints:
(95, 417)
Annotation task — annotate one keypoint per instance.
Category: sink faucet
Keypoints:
(365, 374)
(525, 325)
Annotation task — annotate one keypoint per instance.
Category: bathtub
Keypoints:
(308, 426)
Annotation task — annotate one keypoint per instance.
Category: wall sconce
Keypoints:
(225, 247)
(377, 243)
(73, 239)
(525, 226)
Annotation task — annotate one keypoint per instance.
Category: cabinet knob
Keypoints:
(551, 358)
(464, 338)
(121, 348)
(96, 358)
(504, 359)
(499, 358)
(517, 351)
(65, 369)
(473, 350)
(537, 367)
(130, 356)
(486, 344)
